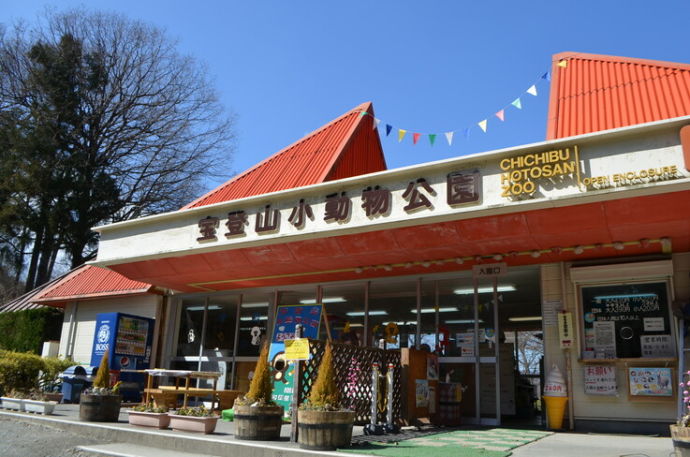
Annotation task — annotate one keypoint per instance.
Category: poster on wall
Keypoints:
(421, 393)
(651, 382)
(465, 342)
(604, 342)
(600, 380)
(282, 371)
(432, 368)
(657, 346)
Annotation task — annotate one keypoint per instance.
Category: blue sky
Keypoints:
(288, 67)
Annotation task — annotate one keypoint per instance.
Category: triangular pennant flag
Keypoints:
(415, 137)
(467, 132)
(376, 123)
(532, 90)
(449, 137)
(432, 138)
(401, 134)
(517, 103)
(482, 125)
(563, 63)
(501, 115)
(388, 129)
(546, 76)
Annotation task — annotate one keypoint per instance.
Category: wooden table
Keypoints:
(187, 390)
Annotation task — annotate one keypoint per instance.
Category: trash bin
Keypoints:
(74, 381)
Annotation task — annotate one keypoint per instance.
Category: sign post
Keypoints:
(294, 350)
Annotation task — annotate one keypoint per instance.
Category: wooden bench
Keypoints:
(168, 396)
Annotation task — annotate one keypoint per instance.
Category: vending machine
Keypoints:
(128, 340)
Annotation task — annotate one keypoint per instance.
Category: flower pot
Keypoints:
(99, 408)
(12, 403)
(147, 419)
(325, 430)
(681, 440)
(41, 407)
(259, 423)
(193, 423)
(53, 396)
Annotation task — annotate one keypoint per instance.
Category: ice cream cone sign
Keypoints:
(555, 397)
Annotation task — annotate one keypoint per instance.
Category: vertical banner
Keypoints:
(566, 332)
(287, 317)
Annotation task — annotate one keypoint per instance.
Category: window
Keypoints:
(626, 321)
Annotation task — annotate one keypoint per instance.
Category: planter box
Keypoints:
(54, 396)
(193, 424)
(325, 430)
(681, 440)
(145, 419)
(12, 403)
(99, 408)
(41, 407)
(262, 423)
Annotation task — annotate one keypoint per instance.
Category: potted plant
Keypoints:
(39, 402)
(322, 423)
(256, 416)
(101, 403)
(680, 431)
(149, 416)
(14, 400)
(197, 419)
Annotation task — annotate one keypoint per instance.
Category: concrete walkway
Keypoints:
(594, 445)
(131, 441)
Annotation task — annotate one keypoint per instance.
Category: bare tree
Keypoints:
(530, 349)
(125, 114)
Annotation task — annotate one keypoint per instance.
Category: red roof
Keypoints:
(91, 282)
(596, 92)
(348, 146)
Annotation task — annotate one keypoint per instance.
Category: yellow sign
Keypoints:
(297, 349)
(520, 173)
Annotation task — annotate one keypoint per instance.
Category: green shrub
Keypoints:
(24, 371)
(25, 331)
(19, 371)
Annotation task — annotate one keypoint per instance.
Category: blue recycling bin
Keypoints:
(74, 381)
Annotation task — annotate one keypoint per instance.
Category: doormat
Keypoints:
(495, 442)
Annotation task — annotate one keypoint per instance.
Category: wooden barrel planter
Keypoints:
(325, 430)
(258, 423)
(681, 440)
(99, 408)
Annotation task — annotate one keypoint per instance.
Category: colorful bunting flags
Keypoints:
(483, 124)
(563, 63)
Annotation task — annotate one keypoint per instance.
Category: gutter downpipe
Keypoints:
(567, 353)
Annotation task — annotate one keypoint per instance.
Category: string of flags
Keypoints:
(450, 136)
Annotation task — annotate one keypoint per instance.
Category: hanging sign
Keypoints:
(297, 349)
(600, 380)
(489, 270)
(565, 330)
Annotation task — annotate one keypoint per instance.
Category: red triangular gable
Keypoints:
(345, 147)
(591, 92)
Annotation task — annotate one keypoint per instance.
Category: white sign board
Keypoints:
(657, 346)
(489, 270)
(600, 380)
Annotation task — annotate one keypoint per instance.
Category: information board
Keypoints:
(616, 318)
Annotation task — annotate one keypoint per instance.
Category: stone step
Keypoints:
(133, 450)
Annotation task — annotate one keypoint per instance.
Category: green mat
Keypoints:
(496, 442)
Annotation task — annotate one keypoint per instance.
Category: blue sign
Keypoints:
(287, 318)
